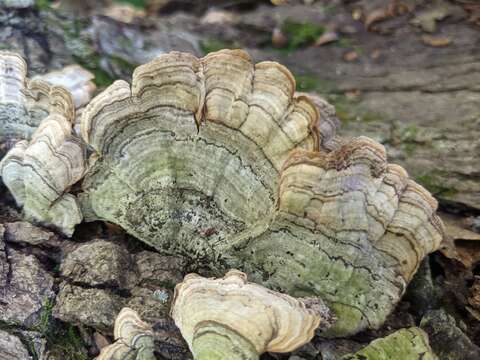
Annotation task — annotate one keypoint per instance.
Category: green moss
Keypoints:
(141, 4)
(63, 340)
(66, 343)
(344, 112)
(81, 48)
(14, 329)
(345, 43)
(102, 78)
(349, 110)
(306, 83)
(411, 137)
(409, 133)
(310, 82)
(123, 64)
(167, 284)
(42, 4)
(301, 34)
(45, 319)
(434, 182)
(211, 45)
(409, 148)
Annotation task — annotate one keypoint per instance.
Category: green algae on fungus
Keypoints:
(411, 344)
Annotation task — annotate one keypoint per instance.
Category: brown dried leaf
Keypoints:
(279, 39)
(427, 19)
(327, 38)
(350, 56)
(353, 94)
(474, 13)
(376, 16)
(218, 17)
(375, 54)
(460, 243)
(436, 41)
(125, 13)
(474, 298)
(357, 14)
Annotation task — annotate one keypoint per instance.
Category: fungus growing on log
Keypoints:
(133, 339)
(40, 171)
(230, 318)
(220, 143)
(216, 159)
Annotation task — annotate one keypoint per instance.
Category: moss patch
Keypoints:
(347, 110)
(301, 34)
(66, 343)
(434, 182)
(141, 4)
(81, 48)
(42, 4)
(309, 82)
(123, 64)
(45, 319)
(102, 78)
(63, 340)
(211, 45)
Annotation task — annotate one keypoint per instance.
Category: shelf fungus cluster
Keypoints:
(217, 159)
(40, 169)
(24, 102)
(133, 339)
(20, 112)
(230, 318)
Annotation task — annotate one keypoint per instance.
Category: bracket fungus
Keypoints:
(216, 159)
(133, 339)
(40, 171)
(24, 102)
(230, 318)
(15, 119)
